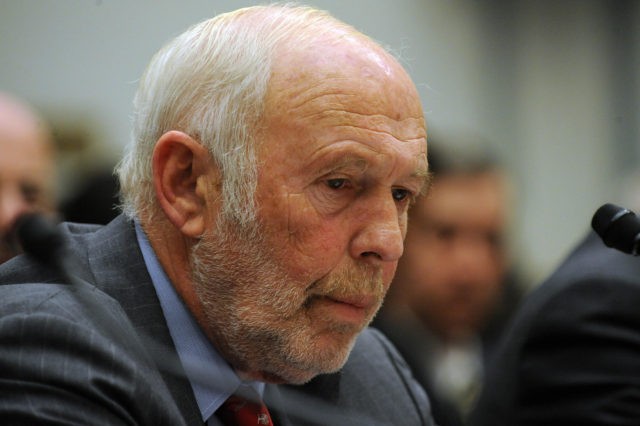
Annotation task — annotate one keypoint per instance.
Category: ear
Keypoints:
(181, 166)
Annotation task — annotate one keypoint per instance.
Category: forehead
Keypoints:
(24, 157)
(24, 141)
(338, 92)
(349, 72)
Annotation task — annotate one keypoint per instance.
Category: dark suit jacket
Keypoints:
(100, 352)
(417, 346)
(572, 354)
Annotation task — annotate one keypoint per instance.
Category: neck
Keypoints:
(172, 250)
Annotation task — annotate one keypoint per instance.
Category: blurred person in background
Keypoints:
(453, 289)
(571, 355)
(27, 169)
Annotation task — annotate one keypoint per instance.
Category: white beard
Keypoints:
(260, 320)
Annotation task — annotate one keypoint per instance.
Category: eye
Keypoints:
(400, 194)
(337, 183)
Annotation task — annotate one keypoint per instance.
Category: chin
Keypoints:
(292, 378)
(328, 355)
(287, 375)
(307, 358)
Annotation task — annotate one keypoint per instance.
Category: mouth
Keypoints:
(365, 302)
(348, 309)
(348, 298)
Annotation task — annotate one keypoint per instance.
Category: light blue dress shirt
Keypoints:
(211, 377)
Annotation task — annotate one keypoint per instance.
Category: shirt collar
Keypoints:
(210, 376)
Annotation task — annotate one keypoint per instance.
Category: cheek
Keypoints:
(388, 272)
(310, 240)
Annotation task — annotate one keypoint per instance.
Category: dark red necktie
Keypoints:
(239, 411)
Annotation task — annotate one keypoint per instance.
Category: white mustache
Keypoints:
(357, 283)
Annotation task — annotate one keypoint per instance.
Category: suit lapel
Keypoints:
(312, 404)
(275, 403)
(119, 270)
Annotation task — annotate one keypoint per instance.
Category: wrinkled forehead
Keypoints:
(340, 63)
(343, 88)
(337, 49)
(334, 52)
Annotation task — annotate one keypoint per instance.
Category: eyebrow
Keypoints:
(427, 177)
(352, 160)
(347, 161)
(427, 180)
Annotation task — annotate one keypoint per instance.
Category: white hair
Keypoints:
(210, 82)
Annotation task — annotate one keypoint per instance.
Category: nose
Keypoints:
(12, 205)
(380, 236)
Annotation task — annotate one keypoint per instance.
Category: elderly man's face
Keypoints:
(341, 154)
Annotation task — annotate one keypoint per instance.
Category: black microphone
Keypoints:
(40, 239)
(618, 227)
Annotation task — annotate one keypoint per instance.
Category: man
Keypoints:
(275, 152)
(450, 293)
(26, 169)
(572, 354)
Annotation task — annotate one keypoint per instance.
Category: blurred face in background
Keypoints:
(26, 169)
(454, 262)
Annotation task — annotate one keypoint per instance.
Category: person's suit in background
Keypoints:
(419, 347)
(572, 354)
(78, 355)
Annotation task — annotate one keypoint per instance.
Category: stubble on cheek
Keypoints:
(322, 260)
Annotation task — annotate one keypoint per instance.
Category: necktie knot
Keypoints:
(241, 411)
